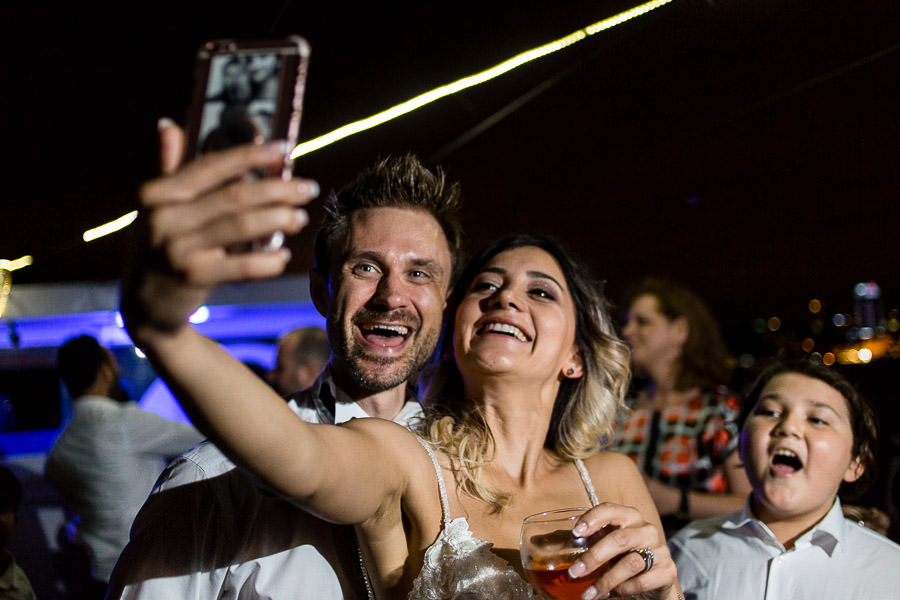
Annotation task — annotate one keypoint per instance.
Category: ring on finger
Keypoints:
(647, 555)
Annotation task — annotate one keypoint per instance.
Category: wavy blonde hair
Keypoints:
(585, 409)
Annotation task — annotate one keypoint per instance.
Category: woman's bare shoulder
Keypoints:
(613, 467)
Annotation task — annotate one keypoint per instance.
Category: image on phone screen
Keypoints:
(240, 101)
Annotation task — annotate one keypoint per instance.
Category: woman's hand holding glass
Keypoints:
(631, 555)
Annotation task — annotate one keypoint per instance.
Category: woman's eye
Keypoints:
(481, 286)
(818, 421)
(542, 293)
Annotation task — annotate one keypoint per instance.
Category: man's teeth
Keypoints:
(396, 329)
(785, 452)
(507, 329)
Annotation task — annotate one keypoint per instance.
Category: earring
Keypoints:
(570, 371)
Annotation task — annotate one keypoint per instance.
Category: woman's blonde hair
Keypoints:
(585, 409)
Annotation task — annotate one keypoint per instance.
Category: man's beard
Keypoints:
(378, 373)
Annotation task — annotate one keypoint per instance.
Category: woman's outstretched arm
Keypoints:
(189, 219)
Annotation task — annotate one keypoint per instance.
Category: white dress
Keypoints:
(459, 566)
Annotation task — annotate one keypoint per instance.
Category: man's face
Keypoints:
(387, 297)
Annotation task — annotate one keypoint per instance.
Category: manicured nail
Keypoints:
(309, 188)
(577, 569)
(301, 218)
(579, 529)
(278, 147)
(164, 123)
(589, 594)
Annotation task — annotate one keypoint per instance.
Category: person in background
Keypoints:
(682, 429)
(14, 584)
(809, 440)
(385, 257)
(302, 354)
(108, 455)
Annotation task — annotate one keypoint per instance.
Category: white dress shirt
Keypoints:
(736, 557)
(209, 532)
(105, 463)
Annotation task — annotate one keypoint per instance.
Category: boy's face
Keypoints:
(797, 448)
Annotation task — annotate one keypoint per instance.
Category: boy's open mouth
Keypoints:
(785, 462)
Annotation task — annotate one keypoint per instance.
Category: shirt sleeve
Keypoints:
(173, 551)
(691, 575)
(151, 434)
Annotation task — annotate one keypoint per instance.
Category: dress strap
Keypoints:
(586, 479)
(445, 505)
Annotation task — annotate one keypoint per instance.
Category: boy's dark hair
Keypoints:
(401, 182)
(10, 491)
(863, 422)
(78, 361)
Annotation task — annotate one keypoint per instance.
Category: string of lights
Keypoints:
(415, 103)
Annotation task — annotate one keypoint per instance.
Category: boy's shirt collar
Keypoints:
(828, 534)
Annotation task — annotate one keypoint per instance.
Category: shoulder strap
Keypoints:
(445, 505)
(586, 479)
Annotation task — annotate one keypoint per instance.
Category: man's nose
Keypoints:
(390, 292)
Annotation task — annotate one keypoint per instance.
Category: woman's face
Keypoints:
(654, 338)
(517, 317)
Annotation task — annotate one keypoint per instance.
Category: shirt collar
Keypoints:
(339, 408)
(828, 534)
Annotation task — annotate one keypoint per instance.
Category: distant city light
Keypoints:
(759, 326)
(866, 333)
(867, 291)
(864, 355)
(774, 323)
(828, 359)
(746, 361)
(839, 320)
(808, 345)
(815, 306)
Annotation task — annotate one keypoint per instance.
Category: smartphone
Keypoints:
(248, 91)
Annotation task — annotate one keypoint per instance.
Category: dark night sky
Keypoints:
(747, 149)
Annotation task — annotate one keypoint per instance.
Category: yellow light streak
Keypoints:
(428, 97)
(12, 265)
(121, 223)
(472, 80)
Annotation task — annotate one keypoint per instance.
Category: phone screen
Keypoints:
(249, 91)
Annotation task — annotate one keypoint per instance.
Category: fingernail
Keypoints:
(278, 147)
(577, 569)
(309, 188)
(163, 123)
(589, 594)
(301, 218)
(579, 529)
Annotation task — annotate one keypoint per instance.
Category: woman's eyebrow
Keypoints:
(542, 275)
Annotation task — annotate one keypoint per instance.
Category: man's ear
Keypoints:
(318, 291)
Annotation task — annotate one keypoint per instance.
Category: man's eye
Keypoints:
(365, 269)
(419, 274)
